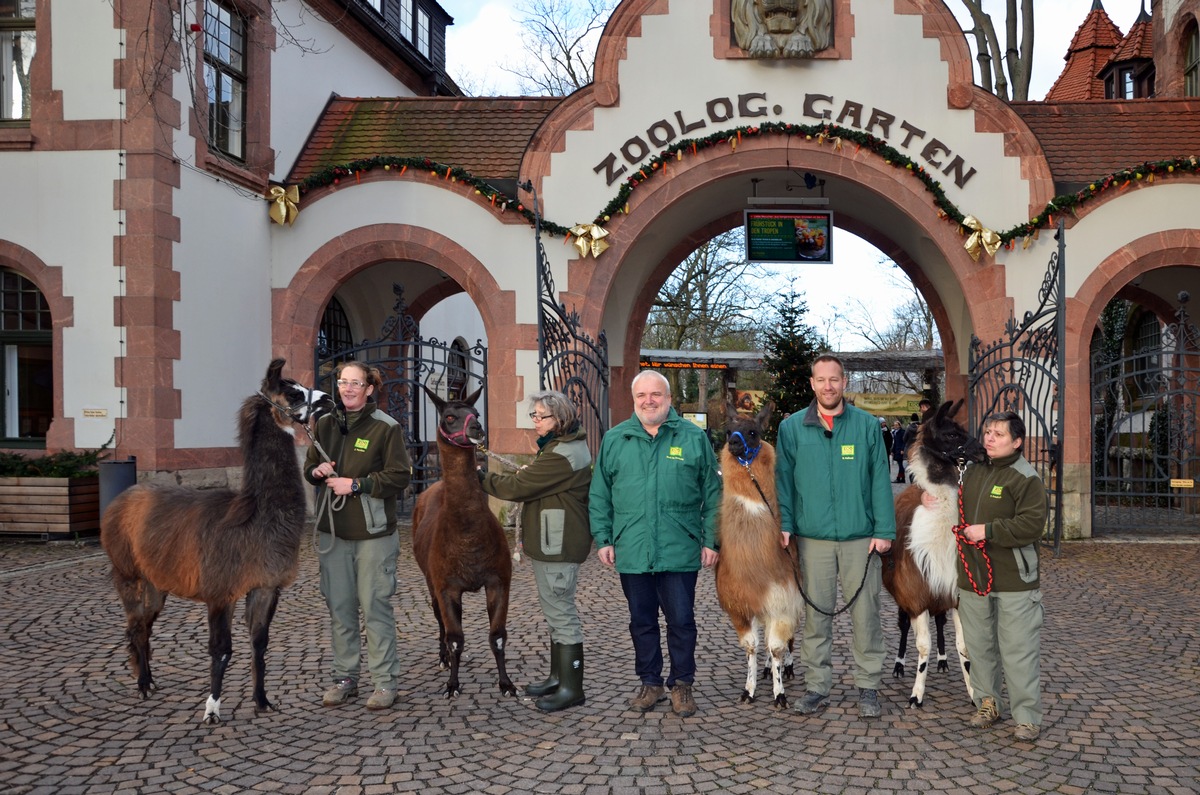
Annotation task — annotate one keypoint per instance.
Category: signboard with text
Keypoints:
(774, 236)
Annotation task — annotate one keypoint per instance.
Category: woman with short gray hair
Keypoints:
(556, 536)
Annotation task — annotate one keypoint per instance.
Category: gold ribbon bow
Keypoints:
(590, 238)
(284, 204)
(981, 237)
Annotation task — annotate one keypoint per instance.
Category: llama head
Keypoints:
(941, 447)
(292, 401)
(458, 421)
(743, 435)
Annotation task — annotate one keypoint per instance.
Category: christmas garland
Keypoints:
(832, 134)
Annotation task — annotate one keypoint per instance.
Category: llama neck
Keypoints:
(458, 467)
(270, 467)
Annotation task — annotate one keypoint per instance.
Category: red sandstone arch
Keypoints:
(296, 309)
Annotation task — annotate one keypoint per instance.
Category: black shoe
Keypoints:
(812, 703)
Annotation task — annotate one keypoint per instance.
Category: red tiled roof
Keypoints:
(1138, 44)
(1084, 141)
(487, 136)
(1090, 50)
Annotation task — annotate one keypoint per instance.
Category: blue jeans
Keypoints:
(674, 593)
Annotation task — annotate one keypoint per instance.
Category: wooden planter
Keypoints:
(49, 507)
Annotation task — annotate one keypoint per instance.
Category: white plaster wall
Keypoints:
(315, 63)
(453, 317)
(63, 214)
(686, 76)
(83, 59)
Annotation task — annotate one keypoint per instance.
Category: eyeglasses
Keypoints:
(356, 384)
(533, 415)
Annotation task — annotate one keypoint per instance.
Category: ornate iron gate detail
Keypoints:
(569, 360)
(1022, 372)
(406, 360)
(1146, 450)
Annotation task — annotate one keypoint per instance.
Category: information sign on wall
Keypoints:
(789, 236)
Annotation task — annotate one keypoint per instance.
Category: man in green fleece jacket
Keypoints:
(1000, 597)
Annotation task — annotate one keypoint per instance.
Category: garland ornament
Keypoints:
(590, 238)
(284, 204)
(981, 238)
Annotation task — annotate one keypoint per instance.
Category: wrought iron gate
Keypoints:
(406, 361)
(1022, 372)
(569, 360)
(1146, 451)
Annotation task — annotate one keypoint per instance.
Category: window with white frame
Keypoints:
(406, 19)
(423, 32)
(18, 44)
(27, 369)
(225, 78)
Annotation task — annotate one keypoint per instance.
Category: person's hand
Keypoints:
(607, 555)
(323, 470)
(784, 539)
(709, 557)
(975, 533)
(340, 486)
(880, 545)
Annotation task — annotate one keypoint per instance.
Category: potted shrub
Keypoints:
(55, 495)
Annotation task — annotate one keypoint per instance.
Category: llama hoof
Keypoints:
(746, 696)
(508, 689)
(781, 701)
(266, 706)
(914, 702)
(943, 666)
(789, 672)
(452, 691)
(212, 720)
(898, 671)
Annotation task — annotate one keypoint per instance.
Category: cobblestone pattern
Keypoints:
(1120, 675)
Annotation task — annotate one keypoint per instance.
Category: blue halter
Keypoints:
(750, 455)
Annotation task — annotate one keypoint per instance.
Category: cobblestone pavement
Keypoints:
(1120, 676)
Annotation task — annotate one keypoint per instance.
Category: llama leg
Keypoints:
(497, 607)
(943, 662)
(142, 602)
(453, 646)
(260, 610)
(921, 635)
(902, 621)
(777, 637)
(443, 649)
(748, 640)
(789, 659)
(220, 649)
(964, 657)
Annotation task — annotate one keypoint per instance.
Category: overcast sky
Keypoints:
(483, 35)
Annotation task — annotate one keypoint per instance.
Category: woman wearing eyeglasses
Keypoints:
(368, 470)
(556, 536)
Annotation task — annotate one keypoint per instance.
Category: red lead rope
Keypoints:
(961, 537)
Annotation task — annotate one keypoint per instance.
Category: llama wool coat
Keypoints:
(655, 499)
(554, 491)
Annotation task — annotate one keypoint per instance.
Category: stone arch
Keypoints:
(48, 280)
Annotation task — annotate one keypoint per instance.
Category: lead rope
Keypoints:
(516, 545)
(329, 502)
(961, 537)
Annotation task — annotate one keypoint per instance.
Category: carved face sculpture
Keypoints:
(782, 28)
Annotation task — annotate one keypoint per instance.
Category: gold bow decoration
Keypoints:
(590, 238)
(284, 204)
(981, 237)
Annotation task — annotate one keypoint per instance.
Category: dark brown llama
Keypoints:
(458, 542)
(921, 574)
(218, 545)
(757, 578)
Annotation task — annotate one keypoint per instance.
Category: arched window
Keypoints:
(1191, 61)
(1147, 348)
(456, 369)
(27, 369)
(334, 334)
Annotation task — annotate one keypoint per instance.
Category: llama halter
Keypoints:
(459, 438)
(748, 454)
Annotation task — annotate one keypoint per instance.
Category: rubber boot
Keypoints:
(550, 683)
(570, 680)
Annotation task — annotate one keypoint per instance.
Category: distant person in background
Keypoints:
(887, 437)
(910, 433)
(898, 440)
(924, 407)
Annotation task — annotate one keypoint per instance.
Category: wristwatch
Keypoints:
(356, 486)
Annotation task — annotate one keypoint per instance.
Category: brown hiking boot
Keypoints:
(681, 699)
(647, 696)
(987, 714)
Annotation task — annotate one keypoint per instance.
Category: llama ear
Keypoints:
(764, 415)
(272, 379)
(438, 403)
(474, 396)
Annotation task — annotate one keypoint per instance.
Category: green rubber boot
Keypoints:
(570, 680)
(550, 683)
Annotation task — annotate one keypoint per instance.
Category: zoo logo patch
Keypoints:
(675, 453)
(847, 452)
(997, 492)
(361, 445)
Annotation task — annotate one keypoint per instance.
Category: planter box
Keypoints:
(49, 507)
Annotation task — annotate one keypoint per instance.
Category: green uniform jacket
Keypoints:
(1008, 498)
(834, 488)
(372, 450)
(554, 490)
(655, 499)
